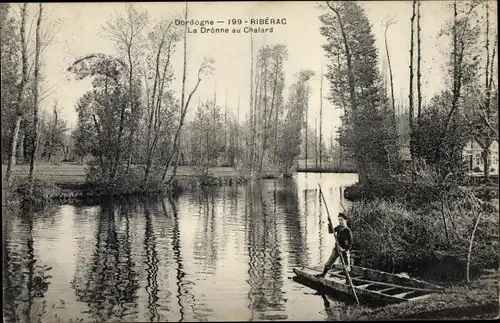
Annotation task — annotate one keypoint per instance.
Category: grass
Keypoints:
(72, 173)
(477, 300)
(70, 181)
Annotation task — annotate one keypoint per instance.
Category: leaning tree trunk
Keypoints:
(390, 76)
(470, 246)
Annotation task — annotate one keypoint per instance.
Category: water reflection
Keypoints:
(108, 285)
(151, 261)
(215, 254)
(288, 199)
(26, 279)
(264, 253)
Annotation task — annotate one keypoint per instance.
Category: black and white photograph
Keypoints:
(250, 161)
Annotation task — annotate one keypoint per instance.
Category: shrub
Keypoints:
(413, 193)
(391, 236)
(32, 194)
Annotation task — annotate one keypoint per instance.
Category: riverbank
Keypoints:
(445, 234)
(476, 300)
(336, 170)
(417, 192)
(67, 181)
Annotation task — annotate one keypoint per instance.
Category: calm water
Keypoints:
(221, 254)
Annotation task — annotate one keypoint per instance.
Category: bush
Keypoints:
(391, 236)
(414, 193)
(32, 194)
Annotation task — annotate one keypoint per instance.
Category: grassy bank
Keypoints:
(477, 300)
(66, 181)
(418, 193)
(442, 233)
(429, 241)
(325, 170)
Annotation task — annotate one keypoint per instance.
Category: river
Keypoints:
(220, 254)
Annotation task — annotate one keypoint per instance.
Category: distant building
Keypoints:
(472, 154)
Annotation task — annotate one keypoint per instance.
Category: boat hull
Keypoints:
(370, 285)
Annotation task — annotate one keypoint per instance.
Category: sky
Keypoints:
(79, 25)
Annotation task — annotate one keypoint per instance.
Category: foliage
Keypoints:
(443, 152)
(390, 235)
(290, 134)
(52, 135)
(9, 46)
(367, 130)
(34, 194)
(208, 143)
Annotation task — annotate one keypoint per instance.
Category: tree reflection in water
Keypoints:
(206, 244)
(110, 285)
(158, 259)
(25, 280)
(265, 268)
(185, 295)
(288, 199)
(150, 258)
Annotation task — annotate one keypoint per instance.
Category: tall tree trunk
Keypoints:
(350, 71)
(183, 95)
(458, 55)
(151, 109)
(264, 118)
(272, 108)
(53, 134)
(117, 162)
(18, 105)
(390, 75)
(419, 58)
(35, 91)
(255, 118)
(131, 101)
(251, 101)
(99, 136)
(352, 92)
(225, 131)
(470, 245)
(411, 108)
(306, 108)
(486, 151)
(316, 142)
(184, 110)
(321, 119)
(237, 146)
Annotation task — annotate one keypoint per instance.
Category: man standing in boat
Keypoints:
(345, 241)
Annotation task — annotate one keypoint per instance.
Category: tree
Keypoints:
(452, 105)
(126, 33)
(54, 134)
(487, 128)
(269, 99)
(205, 68)
(290, 140)
(159, 100)
(36, 101)
(19, 104)
(321, 120)
(411, 95)
(9, 71)
(103, 105)
(388, 23)
(355, 84)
